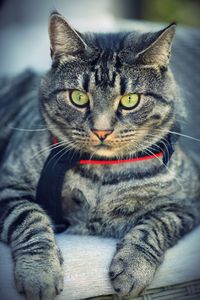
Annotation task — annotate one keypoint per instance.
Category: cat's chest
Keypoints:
(94, 186)
(89, 194)
(82, 190)
(80, 197)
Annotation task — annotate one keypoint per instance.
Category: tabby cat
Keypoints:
(114, 98)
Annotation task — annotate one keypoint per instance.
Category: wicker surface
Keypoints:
(184, 291)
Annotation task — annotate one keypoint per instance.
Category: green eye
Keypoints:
(79, 98)
(130, 101)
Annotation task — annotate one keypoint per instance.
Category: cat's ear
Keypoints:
(158, 49)
(63, 38)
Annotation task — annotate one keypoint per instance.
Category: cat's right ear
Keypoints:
(63, 38)
(158, 47)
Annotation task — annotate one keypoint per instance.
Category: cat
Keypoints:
(114, 98)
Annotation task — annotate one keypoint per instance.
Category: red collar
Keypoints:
(115, 161)
(119, 161)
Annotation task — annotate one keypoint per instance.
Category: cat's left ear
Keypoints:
(63, 38)
(158, 49)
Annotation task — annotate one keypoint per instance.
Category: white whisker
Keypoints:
(28, 130)
(166, 167)
(65, 147)
(180, 134)
(45, 149)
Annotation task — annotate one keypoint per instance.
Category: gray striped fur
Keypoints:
(146, 205)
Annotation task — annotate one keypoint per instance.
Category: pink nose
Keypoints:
(102, 134)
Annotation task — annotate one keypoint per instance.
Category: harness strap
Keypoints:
(50, 184)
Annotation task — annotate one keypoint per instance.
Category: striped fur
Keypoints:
(146, 205)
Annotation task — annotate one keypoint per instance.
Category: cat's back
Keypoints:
(18, 106)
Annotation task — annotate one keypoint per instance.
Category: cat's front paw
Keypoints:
(39, 277)
(130, 273)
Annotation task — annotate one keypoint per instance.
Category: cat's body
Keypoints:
(145, 204)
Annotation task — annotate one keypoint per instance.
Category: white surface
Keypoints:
(87, 261)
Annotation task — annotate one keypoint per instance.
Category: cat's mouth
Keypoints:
(102, 146)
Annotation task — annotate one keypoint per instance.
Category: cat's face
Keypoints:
(108, 95)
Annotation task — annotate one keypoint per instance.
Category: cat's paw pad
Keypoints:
(39, 277)
(130, 273)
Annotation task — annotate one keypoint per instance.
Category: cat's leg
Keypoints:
(37, 260)
(142, 249)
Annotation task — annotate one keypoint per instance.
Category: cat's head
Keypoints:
(108, 94)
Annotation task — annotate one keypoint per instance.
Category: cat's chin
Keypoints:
(105, 151)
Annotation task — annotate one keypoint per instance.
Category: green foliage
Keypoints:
(185, 12)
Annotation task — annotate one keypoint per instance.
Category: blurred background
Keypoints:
(23, 24)
(186, 12)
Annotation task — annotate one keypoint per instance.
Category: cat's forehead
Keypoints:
(108, 63)
(107, 76)
(112, 42)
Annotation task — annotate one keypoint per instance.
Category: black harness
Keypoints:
(60, 161)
